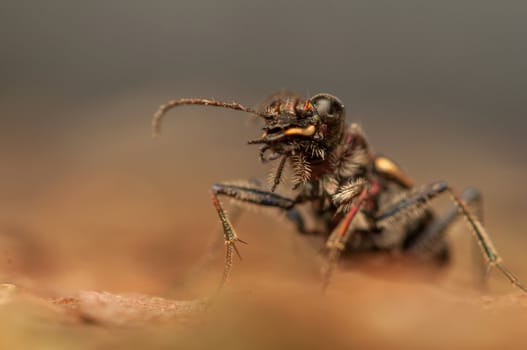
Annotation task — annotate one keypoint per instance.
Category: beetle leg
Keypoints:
(211, 251)
(242, 194)
(487, 246)
(338, 239)
(296, 217)
(428, 242)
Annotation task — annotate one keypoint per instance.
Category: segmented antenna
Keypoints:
(158, 116)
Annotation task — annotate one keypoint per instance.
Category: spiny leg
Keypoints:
(483, 239)
(211, 250)
(242, 194)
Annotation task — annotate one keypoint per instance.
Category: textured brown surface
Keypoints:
(89, 202)
(107, 208)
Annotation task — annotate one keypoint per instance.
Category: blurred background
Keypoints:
(90, 201)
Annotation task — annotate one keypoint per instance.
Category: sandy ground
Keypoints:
(97, 205)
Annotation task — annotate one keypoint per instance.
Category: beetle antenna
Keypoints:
(158, 116)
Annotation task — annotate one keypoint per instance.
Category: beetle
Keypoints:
(364, 201)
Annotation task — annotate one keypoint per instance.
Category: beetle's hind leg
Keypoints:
(245, 194)
(481, 235)
(430, 242)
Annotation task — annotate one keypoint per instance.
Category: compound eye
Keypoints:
(327, 106)
(323, 107)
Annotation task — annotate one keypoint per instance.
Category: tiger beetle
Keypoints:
(363, 201)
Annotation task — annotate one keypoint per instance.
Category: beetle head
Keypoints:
(293, 125)
(309, 126)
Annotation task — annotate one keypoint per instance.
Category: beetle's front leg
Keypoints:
(245, 194)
